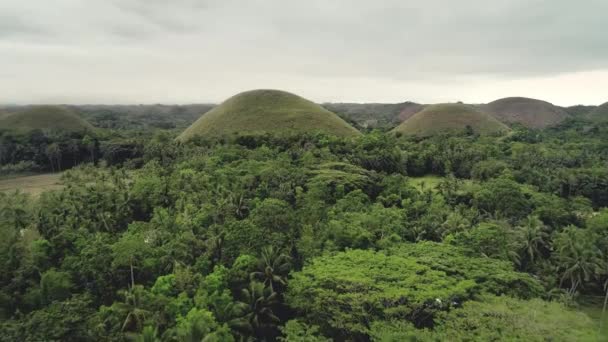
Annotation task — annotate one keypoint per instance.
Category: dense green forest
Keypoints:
(306, 237)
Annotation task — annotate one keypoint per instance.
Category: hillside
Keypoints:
(600, 113)
(267, 111)
(451, 117)
(530, 113)
(579, 110)
(375, 115)
(55, 118)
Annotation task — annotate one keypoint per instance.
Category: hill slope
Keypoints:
(528, 112)
(450, 117)
(579, 110)
(56, 118)
(267, 111)
(600, 113)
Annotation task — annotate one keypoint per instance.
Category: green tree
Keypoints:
(273, 267)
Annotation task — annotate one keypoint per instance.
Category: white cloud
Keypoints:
(133, 51)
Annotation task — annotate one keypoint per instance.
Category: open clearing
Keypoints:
(32, 184)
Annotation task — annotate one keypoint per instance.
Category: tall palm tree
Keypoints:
(254, 311)
(273, 267)
(578, 258)
(132, 305)
(534, 239)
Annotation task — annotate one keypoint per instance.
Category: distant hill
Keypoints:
(528, 112)
(450, 117)
(48, 118)
(375, 115)
(600, 113)
(579, 110)
(267, 111)
(142, 116)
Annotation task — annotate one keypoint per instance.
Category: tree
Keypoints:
(577, 258)
(343, 293)
(296, 331)
(200, 326)
(255, 316)
(533, 320)
(502, 198)
(55, 285)
(273, 267)
(533, 237)
(132, 250)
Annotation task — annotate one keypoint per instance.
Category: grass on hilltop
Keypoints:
(452, 117)
(267, 111)
(56, 118)
(530, 113)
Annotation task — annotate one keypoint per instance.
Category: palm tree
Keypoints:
(578, 258)
(132, 306)
(273, 267)
(534, 239)
(254, 311)
(149, 334)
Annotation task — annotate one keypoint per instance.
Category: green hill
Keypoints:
(48, 118)
(450, 117)
(528, 112)
(600, 113)
(267, 111)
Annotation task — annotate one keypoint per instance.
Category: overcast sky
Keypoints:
(188, 51)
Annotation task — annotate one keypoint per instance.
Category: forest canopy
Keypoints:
(306, 237)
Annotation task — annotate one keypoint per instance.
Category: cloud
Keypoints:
(197, 51)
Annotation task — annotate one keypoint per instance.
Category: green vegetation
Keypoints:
(528, 112)
(497, 319)
(375, 115)
(452, 117)
(266, 111)
(46, 118)
(305, 237)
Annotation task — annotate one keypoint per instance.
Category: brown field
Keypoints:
(33, 184)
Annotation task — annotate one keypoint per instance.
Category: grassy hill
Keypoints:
(375, 115)
(450, 117)
(267, 111)
(600, 113)
(55, 118)
(528, 112)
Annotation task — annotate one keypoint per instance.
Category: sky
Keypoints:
(203, 51)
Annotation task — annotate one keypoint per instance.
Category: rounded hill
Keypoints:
(46, 118)
(267, 111)
(528, 112)
(450, 117)
(600, 113)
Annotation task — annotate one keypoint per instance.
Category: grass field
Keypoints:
(31, 184)
(426, 182)
(592, 306)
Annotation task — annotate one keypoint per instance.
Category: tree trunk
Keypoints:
(132, 276)
(604, 308)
